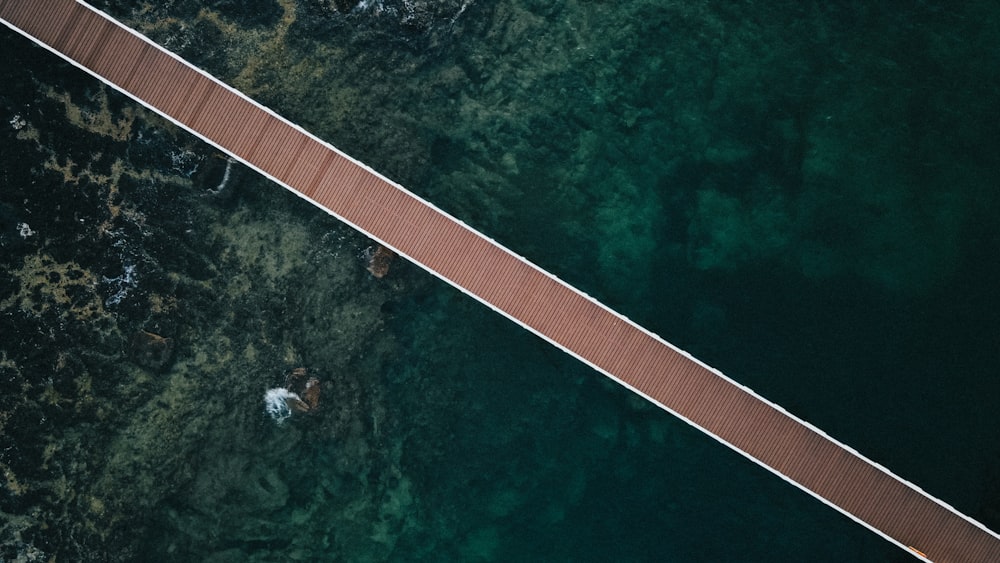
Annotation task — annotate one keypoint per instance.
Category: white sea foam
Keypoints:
(225, 178)
(122, 284)
(276, 403)
(185, 162)
(373, 5)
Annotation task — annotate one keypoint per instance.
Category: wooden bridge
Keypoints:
(760, 430)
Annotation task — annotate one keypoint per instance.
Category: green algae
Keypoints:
(130, 237)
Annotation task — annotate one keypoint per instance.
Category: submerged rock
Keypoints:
(151, 350)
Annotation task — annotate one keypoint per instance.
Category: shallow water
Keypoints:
(803, 197)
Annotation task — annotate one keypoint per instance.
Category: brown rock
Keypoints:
(299, 381)
(311, 393)
(380, 260)
(297, 405)
(151, 350)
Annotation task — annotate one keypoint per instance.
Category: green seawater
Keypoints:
(803, 196)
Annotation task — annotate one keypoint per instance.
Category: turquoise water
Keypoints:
(802, 196)
(544, 460)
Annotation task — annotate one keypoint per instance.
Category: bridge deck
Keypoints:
(736, 416)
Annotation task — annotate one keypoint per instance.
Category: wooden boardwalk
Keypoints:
(731, 413)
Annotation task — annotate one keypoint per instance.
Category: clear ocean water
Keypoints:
(801, 195)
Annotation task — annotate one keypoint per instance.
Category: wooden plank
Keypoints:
(298, 144)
